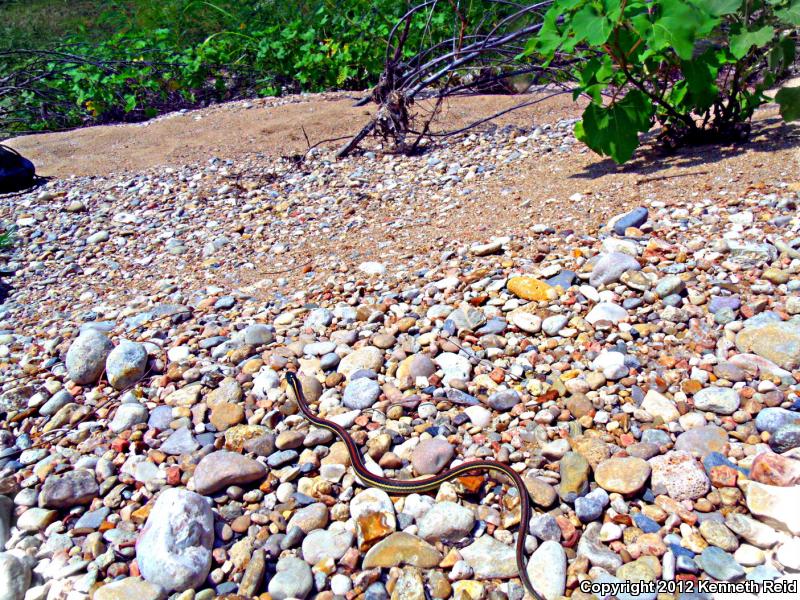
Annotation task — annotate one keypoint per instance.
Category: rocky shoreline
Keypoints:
(643, 380)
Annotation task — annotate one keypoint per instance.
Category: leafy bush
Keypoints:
(699, 68)
(184, 53)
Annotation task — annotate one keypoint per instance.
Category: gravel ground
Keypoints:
(626, 339)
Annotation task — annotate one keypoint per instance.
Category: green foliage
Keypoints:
(138, 59)
(5, 240)
(697, 67)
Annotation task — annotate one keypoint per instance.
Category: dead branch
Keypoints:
(483, 55)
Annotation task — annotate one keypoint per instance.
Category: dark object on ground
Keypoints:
(16, 171)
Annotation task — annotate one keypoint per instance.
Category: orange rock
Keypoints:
(371, 528)
(528, 288)
(140, 514)
(774, 469)
(723, 476)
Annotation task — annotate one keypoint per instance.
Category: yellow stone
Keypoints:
(402, 548)
(468, 590)
(529, 288)
(140, 514)
(235, 437)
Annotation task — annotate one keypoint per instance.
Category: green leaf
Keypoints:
(701, 76)
(591, 26)
(791, 14)
(719, 8)
(788, 99)
(678, 27)
(614, 130)
(742, 42)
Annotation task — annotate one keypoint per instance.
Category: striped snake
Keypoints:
(395, 486)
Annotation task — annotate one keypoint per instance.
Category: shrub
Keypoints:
(698, 68)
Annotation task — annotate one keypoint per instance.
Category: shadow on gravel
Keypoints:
(768, 135)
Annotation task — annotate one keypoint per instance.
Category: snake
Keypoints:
(418, 486)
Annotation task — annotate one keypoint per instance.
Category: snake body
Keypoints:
(395, 486)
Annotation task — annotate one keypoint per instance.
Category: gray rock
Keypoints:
(553, 324)
(292, 580)
(671, 284)
(447, 522)
(719, 564)
(324, 543)
(6, 510)
(58, 401)
(223, 468)
(361, 393)
(160, 417)
(15, 577)
(592, 548)
(635, 218)
(259, 334)
(785, 438)
(547, 570)
(92, 520)
(610, 268)
(70, 489)
(503, 400)
(127, 416)
(126, 364)
(490, 559)
(174, 547)
(319, 318)
(86, 357)
(701, 441)
(590, 507)
(545, 527)
(773, 418)
(719, 400)
(179, 442)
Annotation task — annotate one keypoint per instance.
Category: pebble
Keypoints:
(625, 476)
(361, 393)
(719, 564)
(223, 468)
(173, 550)
(15, 577)
(86, 357)
(610, 267)
(323, 543)
(446, 521)
(130, 588)
(547, 570)
(723, 401)
(126, 364)
(293, 579)
(70, 489)
(678, 475)
(431, 456)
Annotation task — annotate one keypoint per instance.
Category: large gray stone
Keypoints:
(547, 570)
(126, 364)
(778, 342)
(86, 357)
(292, 580)
(15, 577)
(174, 547)
(69, 489)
